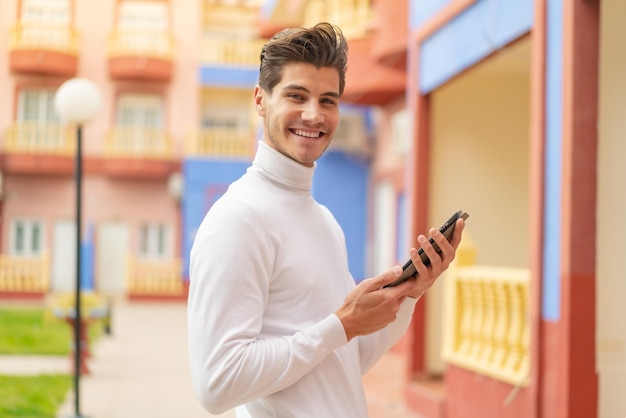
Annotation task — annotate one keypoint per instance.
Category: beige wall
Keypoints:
(479, 163)
(611, 210)
(184, 91)
(51, 199)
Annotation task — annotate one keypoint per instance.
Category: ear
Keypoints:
(259, 100)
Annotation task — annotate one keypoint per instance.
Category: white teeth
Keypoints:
(307, 134)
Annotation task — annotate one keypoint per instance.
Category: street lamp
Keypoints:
(77, 101)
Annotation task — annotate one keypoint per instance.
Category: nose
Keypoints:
(312, 113)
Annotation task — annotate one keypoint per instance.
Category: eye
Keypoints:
(329, 102)
(295, 96)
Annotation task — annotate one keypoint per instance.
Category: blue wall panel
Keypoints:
(87, 259)
(553, 163)
(341, 184)
(205, 182)
(233, 77)
(421, 11)
(483, 28)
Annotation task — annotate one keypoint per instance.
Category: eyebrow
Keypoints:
(304, 89)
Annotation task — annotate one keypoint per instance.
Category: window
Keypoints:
(38, 126)
(143, 15)
(36, 106)
(141, 110)
(45, 23)
(230, 118)
(141, 27)
(54, 12)
(223, 108)
(26, 237)
(154, 241)
(139, 120)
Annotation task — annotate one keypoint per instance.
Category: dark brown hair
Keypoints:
(323, 45)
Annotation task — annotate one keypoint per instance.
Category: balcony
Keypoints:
(20, 277)
(487, 329)
(392, 34)
(139, 152)
(150, 279)
(221, 143)
(368, 82)
(231, 63)
(37, 48)
(39, 148)
(139, 54)
(232, 52)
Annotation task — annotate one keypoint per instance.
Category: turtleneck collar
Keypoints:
(282, 168)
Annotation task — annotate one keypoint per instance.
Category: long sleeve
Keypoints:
(268, 270)
(231, 361)
(372, 347)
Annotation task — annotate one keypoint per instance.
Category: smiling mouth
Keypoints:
(307, 134)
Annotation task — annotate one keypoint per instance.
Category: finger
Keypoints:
(458, 233)
(384, 278)
(446, 251)
(430, 249)
(422, 270)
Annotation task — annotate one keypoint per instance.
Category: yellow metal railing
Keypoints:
(354, 17)
(227, 15)
(40, 138)
(232, 52)
(156, 278)
(221, 142)
(487, 327)
(138, 141)
(63, 38)
(20, 274)
(144, 42)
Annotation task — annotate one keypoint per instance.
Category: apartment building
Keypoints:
(176, 126)
(132, 149)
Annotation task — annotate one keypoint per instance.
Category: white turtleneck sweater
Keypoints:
(268, 270)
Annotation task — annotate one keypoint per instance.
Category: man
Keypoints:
(277, 326)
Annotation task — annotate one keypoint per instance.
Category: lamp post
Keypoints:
(77, 101)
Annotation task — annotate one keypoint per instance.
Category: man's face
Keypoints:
(301, 114)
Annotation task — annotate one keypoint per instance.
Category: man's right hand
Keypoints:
(369, 307)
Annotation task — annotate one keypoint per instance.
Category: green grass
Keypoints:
(36, 331)
(28, 331)
(32, 396)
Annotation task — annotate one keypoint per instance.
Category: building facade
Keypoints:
(511, 113)
(176, 126)
(507, 109)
